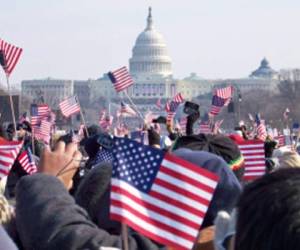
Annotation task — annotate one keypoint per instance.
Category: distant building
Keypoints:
(151, 68)
(48, 90)
(193, 86)
(264, 71)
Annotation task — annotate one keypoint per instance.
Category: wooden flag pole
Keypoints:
(82, 117)
(124, 237)
(136, 109)
(11, 103)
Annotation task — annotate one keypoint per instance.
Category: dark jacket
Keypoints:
(48, 218)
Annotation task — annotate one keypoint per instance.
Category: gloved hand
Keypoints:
(191, 119)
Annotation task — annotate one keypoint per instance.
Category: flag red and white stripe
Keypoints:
(205, 128)
(158, 104)
(9, 56)
(225, 93)
(39, 112)
(8, 154)
(126, 110)
(120, 79)
(182, 124)
(43, 131)
(253, 152)
(69, 106)
(280, 139)
(172, 211)
(27, 162)
(217, 126)
(167, 106)
(178, 98)
(261, 131)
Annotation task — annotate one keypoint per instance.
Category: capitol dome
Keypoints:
(149, 54)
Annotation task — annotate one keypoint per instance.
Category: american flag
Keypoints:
(261, 128)
(158, 104)
(178, 98)
(105, 120)
(9, 56)
(42, 132)
(69, 106)
(172, 110)
(224, 93)
(39, 112)
(27, 162)
(103, 155)
(182, 124)
(205, 127)
(8, 153)
(221, 98)
(280, 139)
(158, 194)
(120, 78)
(126, 110)
(217, 126)
(167, 106)
(253, 152)
(24, 118)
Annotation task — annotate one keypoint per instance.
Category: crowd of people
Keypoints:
(65, 204)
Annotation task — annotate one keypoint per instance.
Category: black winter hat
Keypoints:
(220, 145)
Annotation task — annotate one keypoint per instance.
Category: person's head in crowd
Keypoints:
(268, 215)
(269, 146)
(153, 138)
(228, 188)
(93, 194)
(93, 130)
(10, 131)
(289, 159)
(3, 134)
(220, 145)
(23, 129)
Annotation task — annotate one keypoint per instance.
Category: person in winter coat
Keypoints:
(47, 216)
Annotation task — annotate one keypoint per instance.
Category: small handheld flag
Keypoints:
(8, 153)
(221, 98)
(9, 56)
(253, 152)
(158, 194)
(69, 106)
(120, 79)
(27, 162)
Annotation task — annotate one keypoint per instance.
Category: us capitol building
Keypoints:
(151, 68)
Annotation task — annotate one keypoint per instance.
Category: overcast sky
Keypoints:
(72, 39)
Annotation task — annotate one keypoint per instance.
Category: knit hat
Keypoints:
(220, 145)
(228, 188)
